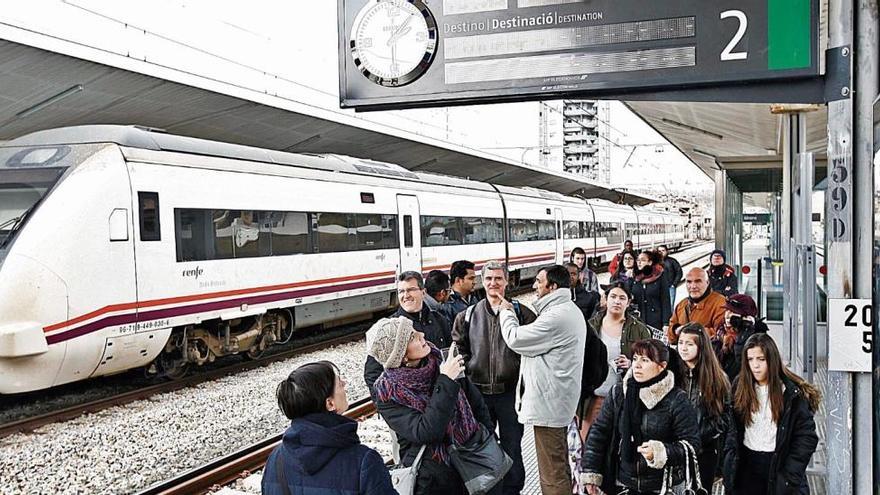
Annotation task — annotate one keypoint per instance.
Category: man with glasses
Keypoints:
(703, 305)
(411, 295)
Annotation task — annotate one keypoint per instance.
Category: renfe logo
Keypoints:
(194, 272)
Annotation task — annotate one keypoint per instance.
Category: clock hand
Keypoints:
(399, 31)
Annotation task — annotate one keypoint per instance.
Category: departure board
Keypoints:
(419, 53)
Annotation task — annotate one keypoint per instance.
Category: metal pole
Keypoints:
(838, 255)
(866, 75)
(795, 139)
(760, 293)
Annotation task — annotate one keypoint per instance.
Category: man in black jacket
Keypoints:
(492, 367)
(672, 270)
(411, 295)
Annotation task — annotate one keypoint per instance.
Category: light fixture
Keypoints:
(692, 128)
(49, 101)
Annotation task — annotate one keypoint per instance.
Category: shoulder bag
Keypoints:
(403, 478)
(480, 461)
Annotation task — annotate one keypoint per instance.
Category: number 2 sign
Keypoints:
(850, 341)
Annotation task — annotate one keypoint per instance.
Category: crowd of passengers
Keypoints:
(624, 390)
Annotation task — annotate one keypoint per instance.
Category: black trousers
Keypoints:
(510, 431)
(753, 476)
(708, 460)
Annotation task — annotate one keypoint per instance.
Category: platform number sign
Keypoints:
(850, 342)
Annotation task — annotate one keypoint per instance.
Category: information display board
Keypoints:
(410, 53)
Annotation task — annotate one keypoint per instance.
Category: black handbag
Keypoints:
(481, 462)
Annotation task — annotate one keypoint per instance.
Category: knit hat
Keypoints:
(390, 338)
(741, 304)
(719, 252)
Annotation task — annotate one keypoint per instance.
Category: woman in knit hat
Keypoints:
(722, 277)
(424, 401)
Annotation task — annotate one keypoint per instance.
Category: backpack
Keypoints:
(595, 369)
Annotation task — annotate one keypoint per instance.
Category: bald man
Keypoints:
(703, 305)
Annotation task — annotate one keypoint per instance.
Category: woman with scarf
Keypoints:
(639, 430)
(423, 400)
(651, 291)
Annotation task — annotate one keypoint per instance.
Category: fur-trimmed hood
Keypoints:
(651, 396)
(656, 273)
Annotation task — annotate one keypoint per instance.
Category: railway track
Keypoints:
(31, 423)
(227, 469)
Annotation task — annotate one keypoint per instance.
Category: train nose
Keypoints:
(31, 297)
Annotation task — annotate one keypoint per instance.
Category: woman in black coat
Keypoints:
(424, 402)
(651, 291)
(638, 432)
(774, 435)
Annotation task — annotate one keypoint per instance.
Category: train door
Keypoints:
(560, 249)
(409, 235)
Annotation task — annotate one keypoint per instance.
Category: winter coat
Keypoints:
(651, 296)
(708, 311)
(730, 357)
(414, 429)
(796, 440)
(491, 365)
(668, 418)
(552, 357)
(633, 331)
(432, 324)
(712, 427)
(586, 301)
(457, 304)
(672, 269)
(322, 454)
(723, 280)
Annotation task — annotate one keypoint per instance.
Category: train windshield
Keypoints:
(27, 174)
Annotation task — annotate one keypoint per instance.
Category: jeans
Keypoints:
(510, 431)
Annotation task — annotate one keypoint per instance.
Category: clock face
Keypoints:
(393, 41)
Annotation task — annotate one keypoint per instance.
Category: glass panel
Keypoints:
(193, 231)
(408, 231)
(571, 230)
(440, 231)
(482, 230)
(546, 230)
(289, 232)
(370, 231)
(334, 232)
(148, 204)
(223, 234)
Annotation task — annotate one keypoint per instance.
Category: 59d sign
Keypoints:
(849, 334)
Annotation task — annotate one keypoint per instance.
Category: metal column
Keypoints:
(795, 143)
(866, 75)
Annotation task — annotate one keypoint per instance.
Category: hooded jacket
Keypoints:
(796, 441)
(668, 418)
(552, 358)
(723, 280)
(651, 296)
(321, 454)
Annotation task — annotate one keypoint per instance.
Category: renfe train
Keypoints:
(122, 247)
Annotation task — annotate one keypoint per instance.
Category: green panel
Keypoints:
(788, 34)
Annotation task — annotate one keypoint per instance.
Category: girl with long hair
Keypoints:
(651, 291)
(709, 391)
(773, 436)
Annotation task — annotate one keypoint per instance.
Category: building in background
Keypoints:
(585, 139)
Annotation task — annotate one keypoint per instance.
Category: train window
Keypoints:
(440, 231)
(523, 230)
(546, 230)
(249, 237)
(571, 230)
(289, 232)
(407, 231)
(375, 231)
(148, 205)
(587, 229)
(482, 230)
(223, 234)
(192, 229)
(334, 232)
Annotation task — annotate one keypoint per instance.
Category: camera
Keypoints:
(739, 323)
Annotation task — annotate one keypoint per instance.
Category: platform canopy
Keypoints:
(42, 89)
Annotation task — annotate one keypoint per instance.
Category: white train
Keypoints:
(124, 247)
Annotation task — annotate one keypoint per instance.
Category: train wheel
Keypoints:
(172, 365)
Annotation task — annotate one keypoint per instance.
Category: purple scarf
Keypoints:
(412, 387)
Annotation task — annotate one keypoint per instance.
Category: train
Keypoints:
(123, 247)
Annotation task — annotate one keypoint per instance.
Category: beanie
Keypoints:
(390, 338)
(719, 252)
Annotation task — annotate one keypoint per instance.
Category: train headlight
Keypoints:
(22, 339)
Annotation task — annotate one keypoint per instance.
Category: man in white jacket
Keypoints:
(552, 350)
